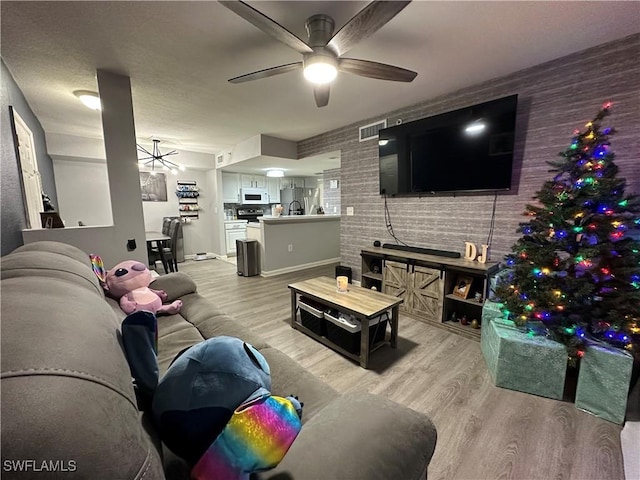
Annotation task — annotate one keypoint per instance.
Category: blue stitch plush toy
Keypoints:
(213, 406)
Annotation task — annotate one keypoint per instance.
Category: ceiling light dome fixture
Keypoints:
(156, 156)
(89, 99)
(275, 172)
(320, 69)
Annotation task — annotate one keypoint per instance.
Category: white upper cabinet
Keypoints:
(253, 181)
(273, 188)
(291, 182)
(230, 187)
(296, 182)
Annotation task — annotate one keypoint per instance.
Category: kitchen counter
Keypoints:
(295, 242)
(298, 218)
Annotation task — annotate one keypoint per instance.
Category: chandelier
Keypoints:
(156, 156)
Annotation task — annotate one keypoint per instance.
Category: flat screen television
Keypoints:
(465, 150)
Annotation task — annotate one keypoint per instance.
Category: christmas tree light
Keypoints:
(576, 268)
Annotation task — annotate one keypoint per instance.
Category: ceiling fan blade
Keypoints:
(267, 72)
(321, 94)
(381, 71)
(267, 25)
(367, 21)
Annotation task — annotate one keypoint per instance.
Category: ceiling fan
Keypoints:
(322, 52)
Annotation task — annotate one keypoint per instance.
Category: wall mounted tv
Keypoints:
(465, 150)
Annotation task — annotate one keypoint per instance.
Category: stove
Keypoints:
(250, 214)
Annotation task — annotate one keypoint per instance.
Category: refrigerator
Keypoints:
(308, 198)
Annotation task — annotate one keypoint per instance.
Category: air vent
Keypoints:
(222, 158)
(367, 132)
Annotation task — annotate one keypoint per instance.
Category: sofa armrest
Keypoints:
(175, 284)
(360, 436)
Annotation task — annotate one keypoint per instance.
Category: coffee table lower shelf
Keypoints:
(328, 343)
(363, 304)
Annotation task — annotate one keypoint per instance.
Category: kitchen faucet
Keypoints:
(296, 210)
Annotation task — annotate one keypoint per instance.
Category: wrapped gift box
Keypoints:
(523, 362)
(491, 310)
(603, 382)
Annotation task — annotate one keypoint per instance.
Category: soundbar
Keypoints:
(427, 251)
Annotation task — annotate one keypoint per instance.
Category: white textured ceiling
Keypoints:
(180, 55)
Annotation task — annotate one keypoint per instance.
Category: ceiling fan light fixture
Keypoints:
(320, 69)
(275, 172)
(89, 99)
(155, 157)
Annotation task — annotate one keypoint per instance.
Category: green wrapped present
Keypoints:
(603, 382)
(492, 310)
(524, 362)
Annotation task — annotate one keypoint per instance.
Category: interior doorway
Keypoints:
(31, 182)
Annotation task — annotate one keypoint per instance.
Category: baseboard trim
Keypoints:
(210, 256)
(304, 266)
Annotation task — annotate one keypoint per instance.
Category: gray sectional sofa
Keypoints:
(69, 409)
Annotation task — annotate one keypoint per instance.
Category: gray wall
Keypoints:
(13, 212)
(554, 99)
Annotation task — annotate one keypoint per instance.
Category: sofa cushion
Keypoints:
(288, 377)
(174, 335)
(50, 265)
(211, 322)
(101, 432)
(360, 436)
(66, 385)
(175, 285)
(56, 247)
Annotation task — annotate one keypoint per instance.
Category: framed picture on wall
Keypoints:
(463, 286)
(153, 187)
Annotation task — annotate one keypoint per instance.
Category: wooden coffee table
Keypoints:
(362, 303)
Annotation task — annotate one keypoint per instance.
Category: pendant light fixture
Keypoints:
(156, 156)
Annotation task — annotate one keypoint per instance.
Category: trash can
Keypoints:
(247, 257)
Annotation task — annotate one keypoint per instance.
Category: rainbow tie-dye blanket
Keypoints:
(256, 438)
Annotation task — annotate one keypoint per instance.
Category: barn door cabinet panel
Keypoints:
(425, 297)
(420, 287)
(447, 292)
(396, 282)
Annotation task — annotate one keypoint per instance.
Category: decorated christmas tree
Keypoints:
(575, 272)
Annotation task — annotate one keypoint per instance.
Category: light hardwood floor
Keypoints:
(484, 432)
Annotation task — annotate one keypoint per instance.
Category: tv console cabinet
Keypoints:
(433, 288)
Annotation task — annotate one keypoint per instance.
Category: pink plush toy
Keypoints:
(129, 282)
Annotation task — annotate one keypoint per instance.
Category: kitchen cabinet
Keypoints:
(234, 230)
(253, 181)
(230, 187)
(428, 284)
(297, 182)
(273, 189)
(310, 182)
(291, 182)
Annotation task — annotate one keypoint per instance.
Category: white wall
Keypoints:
(199, 234)
(84, 192)
(111, 243)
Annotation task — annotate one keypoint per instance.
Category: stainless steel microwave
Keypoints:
(253, 196)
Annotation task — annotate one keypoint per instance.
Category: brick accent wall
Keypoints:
(554, 99)
(331, 195)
